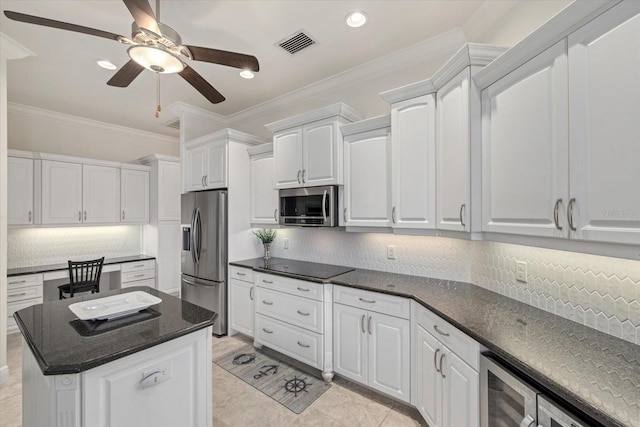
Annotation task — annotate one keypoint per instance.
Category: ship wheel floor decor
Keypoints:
(291, 387)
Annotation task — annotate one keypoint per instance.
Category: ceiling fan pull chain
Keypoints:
(158, 108)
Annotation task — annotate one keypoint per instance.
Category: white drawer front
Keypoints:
(457, 341)
(147, 282)
(298, 343)
(244, 274)
(134, 276)
(291, 286)
(12, 307)
(301, 312)
(16, 282)
(21, 294)
(373, 301)
(138, 265)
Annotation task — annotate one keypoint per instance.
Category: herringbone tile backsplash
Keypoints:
(600, 292)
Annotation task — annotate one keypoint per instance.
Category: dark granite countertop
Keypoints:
(62, 344)
(596, 372)
(20, 271)
(311, 271)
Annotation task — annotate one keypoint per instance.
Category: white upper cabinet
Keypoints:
(194, 171)
(61, 192)
(307, 148)
(604, 132)
(205, 164)
(367, 176)
(20, 208)
(524, 147)
(134, 196)
(264, 196)
(99, 192)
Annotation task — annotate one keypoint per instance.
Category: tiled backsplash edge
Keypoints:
(600, 292)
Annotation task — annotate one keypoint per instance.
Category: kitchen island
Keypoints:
(147, 369)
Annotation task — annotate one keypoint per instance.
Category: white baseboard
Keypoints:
(4, 374)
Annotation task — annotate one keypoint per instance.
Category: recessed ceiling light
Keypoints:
(356, 19)
(106, 64)
(246, 74)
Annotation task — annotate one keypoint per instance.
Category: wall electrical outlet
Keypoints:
(285, 243)
(391, 252)
(521, 271)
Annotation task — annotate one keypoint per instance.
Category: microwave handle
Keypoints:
(324, 210)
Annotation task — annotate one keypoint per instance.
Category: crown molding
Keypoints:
(471, 54)
(146, 160)
(260, 149)
(182, 109)
(338, 109)
(226, 134)
(374, 123)
(11, 49)
(412, 90)
(26, 110)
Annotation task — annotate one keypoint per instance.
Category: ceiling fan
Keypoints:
(156, 47)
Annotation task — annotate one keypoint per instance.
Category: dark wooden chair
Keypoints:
(84, 276)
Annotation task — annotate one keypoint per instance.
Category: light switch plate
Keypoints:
(391, 252)
(521, 271)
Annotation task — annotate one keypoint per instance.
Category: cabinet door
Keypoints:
(604, 126)
(264, 196)
(414, 163)
(389, 355)
(134, 196)
(215, 175)
(99, 194)
(61, 192)
(287, 153)
(367, 189)
(241, 312)
(429, 380)
(349, 342)
(453, 154)
(20, 191)
(460, 392)
(194, 171)
(168, 257)
(320, 153)
(525, 148)
(168, 191)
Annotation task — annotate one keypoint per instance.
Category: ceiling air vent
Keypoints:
(175, 123)
(296, 42)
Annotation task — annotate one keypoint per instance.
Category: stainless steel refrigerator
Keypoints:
(204, 253)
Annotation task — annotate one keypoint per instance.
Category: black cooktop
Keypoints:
(312, 270)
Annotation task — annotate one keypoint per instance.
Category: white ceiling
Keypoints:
(64, 77)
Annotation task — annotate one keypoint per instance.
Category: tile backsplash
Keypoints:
(42, 246)
(600, 292)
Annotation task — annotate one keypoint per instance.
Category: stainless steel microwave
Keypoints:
(309, 206)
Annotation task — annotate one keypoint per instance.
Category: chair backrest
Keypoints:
(85, 272)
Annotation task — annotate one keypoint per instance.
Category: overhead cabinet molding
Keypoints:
(560, 132)
(307, 148)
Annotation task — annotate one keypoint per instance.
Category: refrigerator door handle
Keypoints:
(198, 223)
(193, 238)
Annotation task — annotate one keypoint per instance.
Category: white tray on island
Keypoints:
(114, 306)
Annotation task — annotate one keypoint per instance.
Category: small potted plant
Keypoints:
(266, 236)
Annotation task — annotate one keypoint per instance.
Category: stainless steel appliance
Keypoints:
(506, 400)
(310, 206)
(204, 253)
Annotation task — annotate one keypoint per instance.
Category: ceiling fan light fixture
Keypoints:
(356, 19)
(247, 74)
(156, 59)
(107, 65)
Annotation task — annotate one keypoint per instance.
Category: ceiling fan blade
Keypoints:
(223, 57)
(29, 19)
(126, 74)
(201, 85)
(143, 15)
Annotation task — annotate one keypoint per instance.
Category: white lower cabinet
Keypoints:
(446, 386)
(142, 273)
(241, 293)
(371, 347)
(22, 292)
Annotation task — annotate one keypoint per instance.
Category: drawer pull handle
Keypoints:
(302, 313)
(251, 293)
(362, 324)
(368, 301)
(138, 265)
(267, 331)
(441, 371)
(369, 325)
(303, 289)
(267, 281)
(303, 345)
(23, 294)
(16, 282)
(139, 275)
(446, 334)
(267, 302)
(435, 360)
(241, 274)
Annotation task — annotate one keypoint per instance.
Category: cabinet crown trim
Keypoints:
(338, 109)
(73, 159)
(224, 135)
(158, 157)
(260, 149)
(373, 123)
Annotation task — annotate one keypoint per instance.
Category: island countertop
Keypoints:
(63, 344)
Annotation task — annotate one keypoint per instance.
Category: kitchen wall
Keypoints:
(597, 291)
(44, 246)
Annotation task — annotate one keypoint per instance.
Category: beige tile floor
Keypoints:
(236, 403)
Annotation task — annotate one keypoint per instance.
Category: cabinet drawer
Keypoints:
(146, 282)
(301, 312)
(298, 343)
(458, 342)
(138, 265)
(373, 301)
(290, 286)
(12, 307)
(133, 276)
(24, 293)
(240, 273)
(16, 282)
